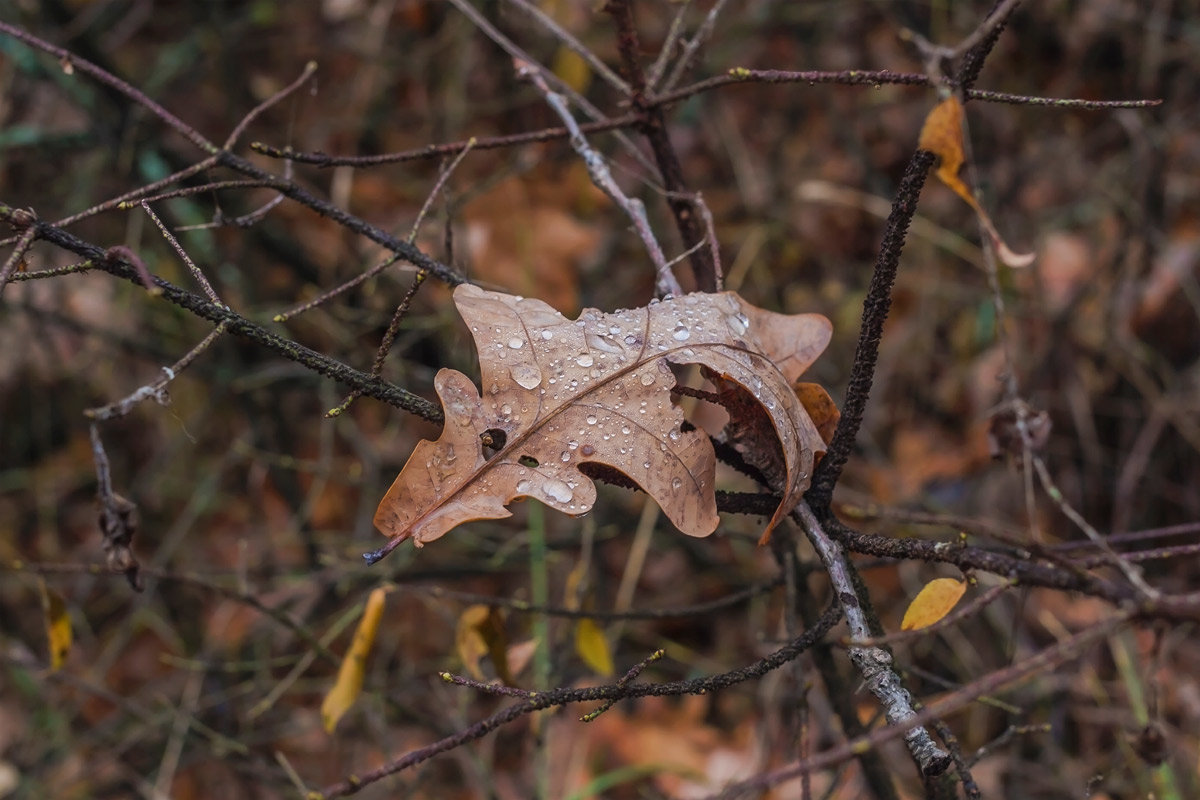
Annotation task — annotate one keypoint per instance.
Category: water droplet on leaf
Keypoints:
(526, 376)
(557, 490)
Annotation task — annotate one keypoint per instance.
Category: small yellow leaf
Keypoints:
(592, 647)
(573, 70)
(942, 136)
(58, 625)
(481, 632)
(350, 675)
(932, 603)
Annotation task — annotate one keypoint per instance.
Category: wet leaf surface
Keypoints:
(598, 390)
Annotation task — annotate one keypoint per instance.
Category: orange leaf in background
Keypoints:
(932, 603)
(559, 393)
(942, 135)
(820, 407)
(349, 681)
(481, 633)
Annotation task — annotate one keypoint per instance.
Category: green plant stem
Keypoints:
(540, 590)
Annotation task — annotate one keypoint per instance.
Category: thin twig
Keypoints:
(670, 41)
(691, 50)
(446, 149)
(1131, 572)
(197, 274)
(156, 389)
(17, 256)
(996, 17)
(141, 191)
(970, 787)
(498, 689)
(1004, 738)
(309, 70)
(54, 272)
(393, 328)
(574, 45)
(189, 191)
(326, 296)
(625, 680)
(602, 177)
(252, 217)
(737, 76)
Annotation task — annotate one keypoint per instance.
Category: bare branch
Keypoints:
(310, 69)
(602, 177)
(157, 389)
(574, 45)
(873, 663)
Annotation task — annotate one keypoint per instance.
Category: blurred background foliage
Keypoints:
(188, 691)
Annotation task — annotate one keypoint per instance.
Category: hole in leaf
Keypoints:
(493, 439)
(527, 461)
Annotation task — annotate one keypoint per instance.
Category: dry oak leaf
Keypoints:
(942, 135)
(559, 393)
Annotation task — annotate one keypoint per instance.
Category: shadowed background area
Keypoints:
(254, 507)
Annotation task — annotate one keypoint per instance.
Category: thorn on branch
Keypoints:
(122, 253)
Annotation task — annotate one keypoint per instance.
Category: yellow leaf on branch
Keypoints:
(350, 675)
(942, 135)
(58, 625)
(932, 603)
(592, 646)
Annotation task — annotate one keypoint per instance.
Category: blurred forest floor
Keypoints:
(187, 691)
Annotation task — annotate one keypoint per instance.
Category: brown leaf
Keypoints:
(560, 393)
(942, 136)
(820, 407)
